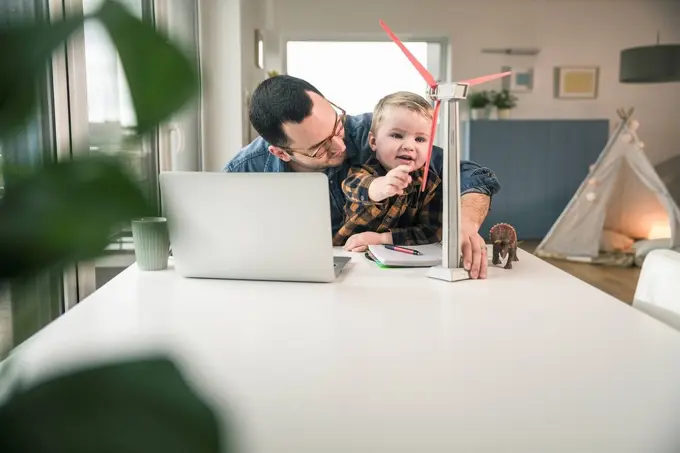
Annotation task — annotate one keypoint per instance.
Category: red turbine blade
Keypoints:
(487, 78)
(433, 128)
(421, 69)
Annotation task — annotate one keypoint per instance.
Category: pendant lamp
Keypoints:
(659, 63)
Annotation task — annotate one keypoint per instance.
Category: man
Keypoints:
(301, 131)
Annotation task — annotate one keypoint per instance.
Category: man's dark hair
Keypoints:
(277, 100)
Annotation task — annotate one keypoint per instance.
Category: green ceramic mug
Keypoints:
(152, 243)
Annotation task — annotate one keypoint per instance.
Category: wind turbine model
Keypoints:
(451, 269)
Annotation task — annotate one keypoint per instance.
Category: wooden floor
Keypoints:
(620, 282)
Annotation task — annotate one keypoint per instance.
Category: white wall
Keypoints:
(229, 75)
(273, 59)
(221, 78)
(568, 32)
(252, 18)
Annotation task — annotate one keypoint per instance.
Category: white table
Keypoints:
(529, 360)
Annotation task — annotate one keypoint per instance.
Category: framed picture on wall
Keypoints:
(520, 81)
(576, 82)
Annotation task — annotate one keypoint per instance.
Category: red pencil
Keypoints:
(397, 248)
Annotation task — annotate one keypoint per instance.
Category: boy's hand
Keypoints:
(360, 242)
(393, 183)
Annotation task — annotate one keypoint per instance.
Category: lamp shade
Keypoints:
(650, 64)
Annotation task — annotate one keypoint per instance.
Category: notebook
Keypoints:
(431, 256)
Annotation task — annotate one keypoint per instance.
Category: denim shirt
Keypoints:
(256, 157)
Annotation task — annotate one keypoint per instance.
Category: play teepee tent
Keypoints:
(602, 205)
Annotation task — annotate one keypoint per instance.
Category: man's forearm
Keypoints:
(474, 207)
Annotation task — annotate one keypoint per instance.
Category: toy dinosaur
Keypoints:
(504, 239)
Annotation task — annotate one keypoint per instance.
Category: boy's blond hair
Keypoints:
(402, 99)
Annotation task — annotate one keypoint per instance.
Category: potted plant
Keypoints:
(504, 101)
(480, 103)
(132, 403)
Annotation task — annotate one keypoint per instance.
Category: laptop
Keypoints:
(250, 226)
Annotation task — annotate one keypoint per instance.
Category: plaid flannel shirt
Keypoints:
(413, 218)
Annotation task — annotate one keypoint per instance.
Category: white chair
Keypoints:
(658, 289)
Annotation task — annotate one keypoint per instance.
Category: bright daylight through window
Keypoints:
(356, 74)
(110, 112)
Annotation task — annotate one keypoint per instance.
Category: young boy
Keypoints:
(385, 204)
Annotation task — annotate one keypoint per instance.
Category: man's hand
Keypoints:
(474, 207)
(473, 248)
(393, 183)
(360, 242)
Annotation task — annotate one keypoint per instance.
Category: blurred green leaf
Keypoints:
(15, 108)
(160, 77)
(25, 51)
(134, 406)
(64, 212)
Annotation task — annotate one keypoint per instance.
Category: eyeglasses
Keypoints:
(324, 147)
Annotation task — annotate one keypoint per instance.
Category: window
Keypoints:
(104, 118)
(356, 74)
(85, 107)
(110, 114)
(28, 305)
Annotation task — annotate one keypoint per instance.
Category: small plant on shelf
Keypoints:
(479, 102)
(504, 101)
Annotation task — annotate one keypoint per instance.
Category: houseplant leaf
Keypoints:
(132, 406)
(64, 212)
(161, 79)
(25, 50)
